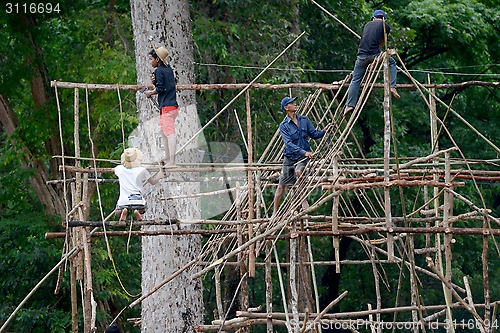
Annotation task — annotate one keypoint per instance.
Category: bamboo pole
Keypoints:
(267, 86)
(387, 184)
(240, 93)
(242, 258)
(162, 283)
(346, 221)
(77, 200)
(362, 313)
(74, 298)
(327, 308)
(486, 279)
(352, 231)
(282, 288)
(292, 277)
(228, 168)
(335, 218)
(413, 280)
(251, 253)
(447, 212)
(472, 310)
(387, 155)
(234, 326)
(269, 288)
(218, 292)
(50, 235)
(87, 292)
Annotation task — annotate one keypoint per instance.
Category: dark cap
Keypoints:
(287, 100)
(379, 13)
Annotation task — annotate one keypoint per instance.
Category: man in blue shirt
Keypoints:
(295, 131)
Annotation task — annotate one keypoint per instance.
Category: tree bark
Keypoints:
(178, 305)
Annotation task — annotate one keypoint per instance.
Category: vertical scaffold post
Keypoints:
(76, 200)
(251, 250)
(387, 155)
(447, 213)
(335, 217)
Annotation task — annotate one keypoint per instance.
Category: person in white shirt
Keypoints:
(132, 178)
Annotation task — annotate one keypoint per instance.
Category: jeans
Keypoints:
(362, 62)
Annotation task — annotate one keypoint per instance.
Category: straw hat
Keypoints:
(162, 54)
(131, 158)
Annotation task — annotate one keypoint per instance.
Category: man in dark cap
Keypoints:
(295, 131)
(369, 48)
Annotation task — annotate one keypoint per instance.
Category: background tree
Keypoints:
(178, 305)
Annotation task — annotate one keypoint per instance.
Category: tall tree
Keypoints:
(177, 306)
(40, 92)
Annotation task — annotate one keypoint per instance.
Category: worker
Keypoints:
(165, 87)
(295, 131)
(369, 48)
(132, 178)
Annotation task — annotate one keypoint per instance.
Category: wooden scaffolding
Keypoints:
(367, 203)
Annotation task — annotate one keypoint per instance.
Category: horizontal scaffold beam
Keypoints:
(69, 168)
(352, 232)
(238, 86)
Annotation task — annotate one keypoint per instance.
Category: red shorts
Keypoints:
(167, 119)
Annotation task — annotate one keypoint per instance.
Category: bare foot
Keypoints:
(169, 166)
(137, 215)
(394, 93)
(166, 164)
(347, 110)
(123, 216)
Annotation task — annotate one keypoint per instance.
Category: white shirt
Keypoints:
(131, 182)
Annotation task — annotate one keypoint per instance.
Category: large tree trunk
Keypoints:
(177, 306)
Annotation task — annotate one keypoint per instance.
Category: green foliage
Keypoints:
(454, 27)
(26, 257)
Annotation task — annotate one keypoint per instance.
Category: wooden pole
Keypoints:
(292, 274)
(347, 231)
(218, 292)
(242, 257)
(335, 218)
(447, 212)
(486, 280)
(266, 86)
(251, 253)
(76, 200)
(362, 313)
(387, 156)
(269, 288)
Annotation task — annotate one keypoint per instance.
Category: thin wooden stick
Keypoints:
(164, 282)
(239, 94)
(362, 313)
(470, 309)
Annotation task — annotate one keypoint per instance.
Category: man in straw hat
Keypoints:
(132, 178)
(164, 82)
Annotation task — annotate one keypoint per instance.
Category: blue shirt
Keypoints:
(296, 137)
